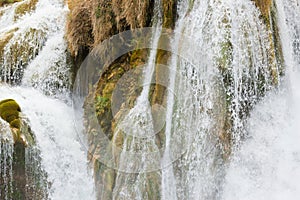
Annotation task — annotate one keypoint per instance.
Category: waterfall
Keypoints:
(62, 156)
(139, 151)
(229, 128)
(41, 30)
(168, 176)
(267, 164)
(34, 57)
(228, 61)
(6, 154)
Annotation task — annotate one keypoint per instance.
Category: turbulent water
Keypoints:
(267, 165)
(230, 47)
(63, 158)
(37, 41)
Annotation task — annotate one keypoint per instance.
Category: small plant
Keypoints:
(101, 103)
(98, 12)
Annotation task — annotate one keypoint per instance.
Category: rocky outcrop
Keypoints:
(93, 21)
(17, 49)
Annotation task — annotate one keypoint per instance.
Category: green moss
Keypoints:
(98, 12)
(16, 123)
(225, 55)
(101, 103)
(191, 5)
(9, 110)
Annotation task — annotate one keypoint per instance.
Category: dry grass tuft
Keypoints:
(92, 21)
(133, 12)
(103, 20)
(79, 27)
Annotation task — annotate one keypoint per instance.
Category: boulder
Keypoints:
(20, 179)
(10, 111)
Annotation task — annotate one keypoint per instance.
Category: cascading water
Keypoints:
(168, 179)
(224, 63)
(6, 155)
(229, 67)
(138, 129)
(62, 157)
(267, 164)
(34, 56)
(28, 34)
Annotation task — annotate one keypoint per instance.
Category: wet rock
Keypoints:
(4, 2)
(25, 7)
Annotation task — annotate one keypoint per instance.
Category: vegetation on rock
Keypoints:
(9, 111)
(5, 38)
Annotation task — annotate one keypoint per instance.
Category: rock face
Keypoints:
(18, 145)
(264, 6)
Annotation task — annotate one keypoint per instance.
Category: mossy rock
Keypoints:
(16, 123)
(9, 110)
